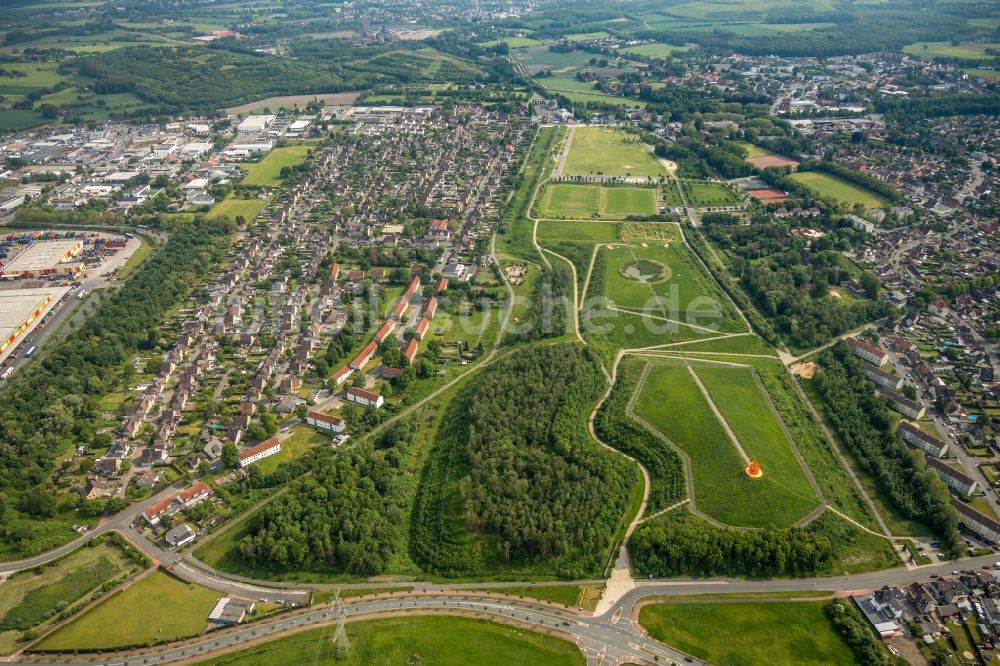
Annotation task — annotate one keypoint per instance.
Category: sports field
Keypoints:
(672, 403)
(586, 201)
(609, 152)
(707, 193)
(423, 640)
(268, 170)
(157, 608)
(806, 635)
(623, 201)
(840, 190)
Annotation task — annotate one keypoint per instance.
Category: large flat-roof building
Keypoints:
(45, 258)
(17, 310)
(255, 124)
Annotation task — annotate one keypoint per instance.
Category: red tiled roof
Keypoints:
(259, 448)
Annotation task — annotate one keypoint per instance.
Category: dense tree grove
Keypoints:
(861, 420)
(857, 633)
(346, 517)
(50, 405)
(524, 470)
(680, 544)
(616, 429)
(789, 284)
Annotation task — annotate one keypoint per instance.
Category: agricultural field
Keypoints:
(36, 75)
(562, 200)
(586, 36)
(654, 50)
(671, 402)
(157, 608)
(444, 641)
(513, 42)
(267, 172)
(806, 635)
(231, 208)
(540, 57)
(609, 152)
(30, 595)
(706, 193)
(946, 50)
(827, 185)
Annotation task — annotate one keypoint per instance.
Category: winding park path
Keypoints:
(609, 635)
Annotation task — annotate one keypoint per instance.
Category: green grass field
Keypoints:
(599, 150)
(578, 231)
(754, 151)
(303, 438)
(268, 170)
(946, 50)
(157, 608)
(565, 200)
(735, 392)
(654, 50)
(573, 201)
(581, 91)
(827, 185)
(29, 595)
(441, 641)
(686, 294)
(623, 201)
(586, 36)
(231, 208)
(671, 402)
(748, 632)
(705, 193)
(512, 42)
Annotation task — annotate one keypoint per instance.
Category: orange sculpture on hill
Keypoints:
(753, 470)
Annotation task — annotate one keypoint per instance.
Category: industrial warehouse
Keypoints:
(44, 258)
(18, 310)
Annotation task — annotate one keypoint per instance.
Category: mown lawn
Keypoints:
(705, 193)
(599, 150)
(580, 231)
(566, 200)
(671, 402)
(231, 208)
(268, 170)
(840, 190)
(622, 201)
(303, 438)
(442, 641)
(157, 608)
(777, 633)
(734, 391)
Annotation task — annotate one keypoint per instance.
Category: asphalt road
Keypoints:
(613, 636)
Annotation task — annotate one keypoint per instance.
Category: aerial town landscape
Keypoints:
(500, 332)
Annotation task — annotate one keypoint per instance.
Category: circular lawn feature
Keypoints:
(646, 270)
